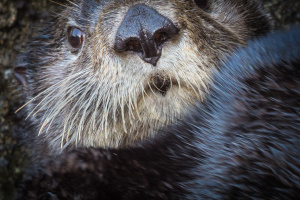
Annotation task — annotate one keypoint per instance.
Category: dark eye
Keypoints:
(203, 4)
(75, 37)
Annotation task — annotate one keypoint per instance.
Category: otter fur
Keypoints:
(242, 142)
(112, 73)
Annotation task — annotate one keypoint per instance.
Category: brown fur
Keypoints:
(102, 98)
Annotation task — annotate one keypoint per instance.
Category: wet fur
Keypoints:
(243, 142)
(96, 97)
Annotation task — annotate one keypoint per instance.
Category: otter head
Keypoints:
(110, 73)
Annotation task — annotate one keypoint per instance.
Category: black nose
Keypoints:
(144, 31)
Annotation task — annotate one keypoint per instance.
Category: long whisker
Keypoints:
(37, 96)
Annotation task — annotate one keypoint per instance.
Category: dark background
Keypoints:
(18, 21)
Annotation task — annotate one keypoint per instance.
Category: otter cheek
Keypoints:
(20, 75)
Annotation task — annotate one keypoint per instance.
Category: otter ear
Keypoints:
(20, 71)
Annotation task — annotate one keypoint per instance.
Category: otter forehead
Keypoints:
(84, 14)
(110, 73)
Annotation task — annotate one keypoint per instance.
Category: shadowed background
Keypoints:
(18, 21)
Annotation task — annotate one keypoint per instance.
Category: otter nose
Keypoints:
(144, 31)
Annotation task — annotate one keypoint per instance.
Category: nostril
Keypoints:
(165, 33)
(160, 38)
(134, 45)
(128, 45)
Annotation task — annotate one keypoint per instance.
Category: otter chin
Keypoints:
(112, 73)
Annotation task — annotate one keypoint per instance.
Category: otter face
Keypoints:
(110, 73)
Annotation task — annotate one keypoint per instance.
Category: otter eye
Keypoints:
(75, 37)
(203, 4)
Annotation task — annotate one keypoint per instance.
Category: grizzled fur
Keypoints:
(243, 142)
(94, 96)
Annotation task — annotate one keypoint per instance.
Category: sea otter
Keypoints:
(112, 73)
(242, 142)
